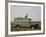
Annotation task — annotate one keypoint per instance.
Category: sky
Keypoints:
(34, 12)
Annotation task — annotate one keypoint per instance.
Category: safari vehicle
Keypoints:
(25, 22)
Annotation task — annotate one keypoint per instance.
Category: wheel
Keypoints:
(17, 26)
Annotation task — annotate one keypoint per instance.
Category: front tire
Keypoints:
(17, 26)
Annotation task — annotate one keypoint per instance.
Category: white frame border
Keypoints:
(24, 32)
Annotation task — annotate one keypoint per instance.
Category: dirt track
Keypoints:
(22, 29)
